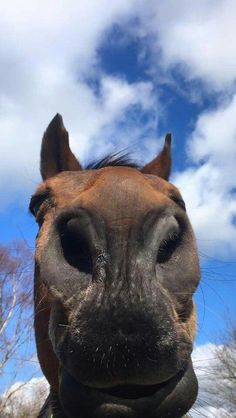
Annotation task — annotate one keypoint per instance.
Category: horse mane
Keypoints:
(117, 159)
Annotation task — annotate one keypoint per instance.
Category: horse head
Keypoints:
(116, 267)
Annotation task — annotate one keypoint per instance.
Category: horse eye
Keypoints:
(167, 247)
(35, 208)
(178, 201)
(36, 202)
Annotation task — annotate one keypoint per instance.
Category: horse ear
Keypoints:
(56, 155)
(161, 165)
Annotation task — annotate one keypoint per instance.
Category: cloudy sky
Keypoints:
(122, 75)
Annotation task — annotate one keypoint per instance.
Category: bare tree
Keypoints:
(25, 400)
(219, 382)
(15, 309)
(226, 371)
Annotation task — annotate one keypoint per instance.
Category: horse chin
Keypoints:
(173, 397)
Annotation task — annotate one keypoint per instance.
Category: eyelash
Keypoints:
(36, 208)
(179, 202)
(36, 203)
(168, 247)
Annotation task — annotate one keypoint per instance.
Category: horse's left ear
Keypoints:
(161, 165)
(56, 155)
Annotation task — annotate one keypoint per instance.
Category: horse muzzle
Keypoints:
(166, 399)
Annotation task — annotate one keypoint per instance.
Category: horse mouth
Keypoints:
(127, 392)
(134, 391)
(162, 399)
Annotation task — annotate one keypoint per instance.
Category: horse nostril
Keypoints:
(75, 246)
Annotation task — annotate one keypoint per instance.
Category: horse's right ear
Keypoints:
(56, 155)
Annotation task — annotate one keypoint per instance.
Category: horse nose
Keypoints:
(124, 329)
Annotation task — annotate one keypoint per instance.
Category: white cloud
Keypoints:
(209, 186)
(196, 36)
(46, 51)
(215, 135)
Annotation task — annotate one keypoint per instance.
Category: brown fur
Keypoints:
(132, 195)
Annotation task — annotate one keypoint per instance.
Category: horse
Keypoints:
(116, 267)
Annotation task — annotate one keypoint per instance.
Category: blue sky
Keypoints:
(122, 76)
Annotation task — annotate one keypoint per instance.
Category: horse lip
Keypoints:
(135, 392)
(167, 400)
(129, 393)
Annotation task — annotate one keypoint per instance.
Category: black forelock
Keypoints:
(118, 159)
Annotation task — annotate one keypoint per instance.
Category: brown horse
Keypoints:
(115, 270)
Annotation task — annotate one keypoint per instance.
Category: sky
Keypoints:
(122, 75)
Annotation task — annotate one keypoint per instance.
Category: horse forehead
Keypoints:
(112, 190)
(121, 184)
